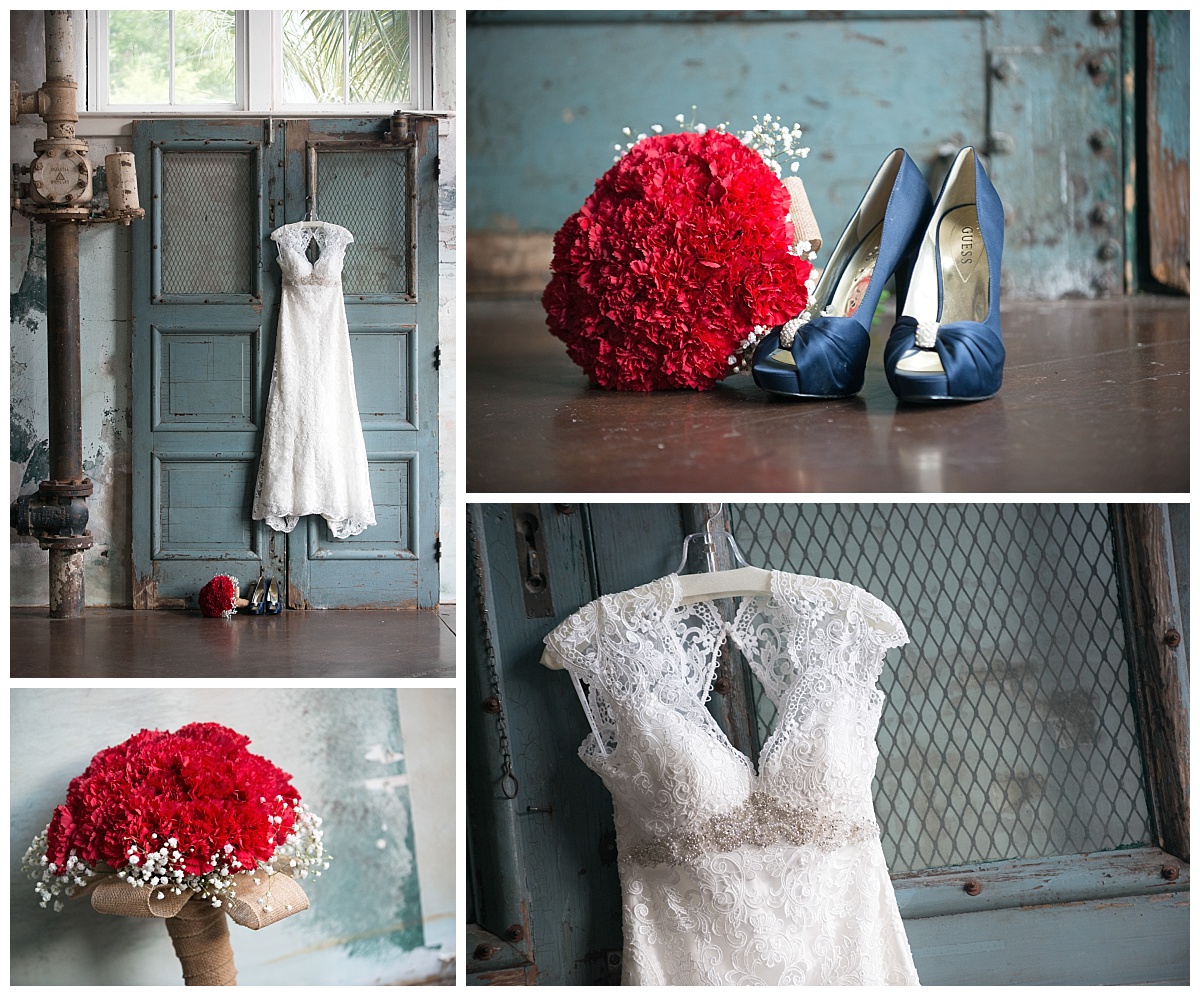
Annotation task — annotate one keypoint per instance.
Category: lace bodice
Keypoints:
(293, 242)
(696, 821)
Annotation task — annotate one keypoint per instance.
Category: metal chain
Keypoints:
(494, 704)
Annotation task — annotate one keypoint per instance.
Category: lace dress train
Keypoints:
(314, 459)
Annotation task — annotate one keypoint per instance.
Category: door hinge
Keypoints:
(437, 357)
(437, 549)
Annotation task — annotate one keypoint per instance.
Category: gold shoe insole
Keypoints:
(853, 277)
(960, 253)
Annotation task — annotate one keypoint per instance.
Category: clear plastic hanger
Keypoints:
(311, 220)
(710, 537)
(716, 582)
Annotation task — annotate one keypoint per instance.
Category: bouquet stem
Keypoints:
(200, 933)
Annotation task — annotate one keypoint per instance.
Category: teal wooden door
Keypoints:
(206, 289)
(384, 191)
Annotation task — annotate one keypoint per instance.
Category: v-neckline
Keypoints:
(731, 628)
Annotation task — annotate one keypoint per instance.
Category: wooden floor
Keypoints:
(1095, 400)
(171, 643)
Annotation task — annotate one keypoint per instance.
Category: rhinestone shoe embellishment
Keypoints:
(759, 822)
(787, 334)
(926, 337)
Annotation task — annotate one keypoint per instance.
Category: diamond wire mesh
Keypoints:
(368, 193)
(1008, 730)
(207, 223)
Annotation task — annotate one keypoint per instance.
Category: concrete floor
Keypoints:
(170, 643)
(1096, 399)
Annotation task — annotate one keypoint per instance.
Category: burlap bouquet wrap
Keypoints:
(199, 930)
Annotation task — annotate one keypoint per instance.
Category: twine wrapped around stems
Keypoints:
(199, 930)
(200, 934)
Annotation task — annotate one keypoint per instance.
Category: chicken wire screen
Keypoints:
(209, 213)
(1008, 730)
(370, 193)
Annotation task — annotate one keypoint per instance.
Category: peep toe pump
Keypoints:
(946, 346)
(822, 353)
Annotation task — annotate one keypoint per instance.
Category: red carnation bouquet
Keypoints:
(679, 260)
(177, 813)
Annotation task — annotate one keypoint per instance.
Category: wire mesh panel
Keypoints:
(369, 192)
(208, 222)
(1008, 730)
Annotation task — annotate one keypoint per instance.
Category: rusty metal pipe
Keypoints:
(63, 352)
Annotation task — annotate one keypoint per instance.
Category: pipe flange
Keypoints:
(65, 489)
(69, 543)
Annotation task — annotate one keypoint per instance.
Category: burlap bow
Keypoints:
(804, 222)
(198, 929)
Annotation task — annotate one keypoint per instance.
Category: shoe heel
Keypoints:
(256, 596)
(274, 604)
(946, 344)
(822, 353)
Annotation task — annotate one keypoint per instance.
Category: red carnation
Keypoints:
(198, 786)
(678, 253)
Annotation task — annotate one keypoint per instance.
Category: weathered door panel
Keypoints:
(1168, 147)
(202, 316)
(384, 190)
(545, 859)
(206, 291)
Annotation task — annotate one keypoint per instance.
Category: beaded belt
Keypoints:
(758, 822)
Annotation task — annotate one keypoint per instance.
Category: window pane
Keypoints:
(139, 61)
(378, 56)
(1008, 730)
(204, 57)
(312, 56)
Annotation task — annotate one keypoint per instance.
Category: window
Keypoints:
(294, 61)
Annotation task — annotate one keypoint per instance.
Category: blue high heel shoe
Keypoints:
(946, 346)
(822, 353)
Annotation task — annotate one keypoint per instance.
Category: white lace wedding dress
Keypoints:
(314, 460)
(733, 876)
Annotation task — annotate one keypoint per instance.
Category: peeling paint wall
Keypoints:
(376, 765)
(106, 331)
(445, 27)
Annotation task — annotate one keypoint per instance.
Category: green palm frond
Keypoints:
(378, 53)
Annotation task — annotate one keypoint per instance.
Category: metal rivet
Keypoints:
(1110, 249)
(1004, 69)
(1170, 872)
(515, 933)
(491, 704)
(1103, 213)
(485, 951)
(1104, 18)
(1172, 639)
(973, 887)
(721, 686)
(1099, 140)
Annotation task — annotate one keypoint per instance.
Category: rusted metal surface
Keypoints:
(66, 584)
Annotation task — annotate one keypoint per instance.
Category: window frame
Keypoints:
(258, 73)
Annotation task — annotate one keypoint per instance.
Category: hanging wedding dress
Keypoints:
(730, 875)
(314, 460)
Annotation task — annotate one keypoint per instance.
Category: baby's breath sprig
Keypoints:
(773, 140)
(769, 138)
(160, 865)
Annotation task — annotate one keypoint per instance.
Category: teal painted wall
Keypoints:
(1039, 92)
(385, 793)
